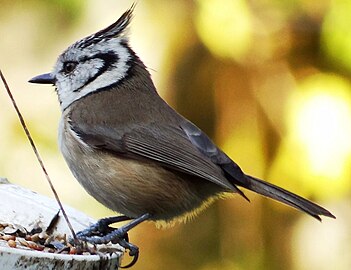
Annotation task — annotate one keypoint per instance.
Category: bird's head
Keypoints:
(93, 63)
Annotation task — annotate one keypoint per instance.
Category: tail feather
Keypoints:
(284, 196)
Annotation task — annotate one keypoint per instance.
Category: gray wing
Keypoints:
(168, 145)
(205, 145)
(237, 177)
(187, 149)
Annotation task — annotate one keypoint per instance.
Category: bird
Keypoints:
(132, 151)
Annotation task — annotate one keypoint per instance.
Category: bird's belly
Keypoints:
(135, 187)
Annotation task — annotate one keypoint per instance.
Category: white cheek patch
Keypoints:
(68, 84)
(86, 70)
(73, 87)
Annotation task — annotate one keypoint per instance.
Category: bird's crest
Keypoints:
(116, 29)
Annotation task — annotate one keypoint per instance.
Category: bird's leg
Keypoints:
(101, 227)
(114, 235)
(119, 235)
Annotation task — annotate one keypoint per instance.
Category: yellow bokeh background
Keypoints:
(269, 81)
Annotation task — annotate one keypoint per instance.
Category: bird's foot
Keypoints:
(102, 233)
(116, 236)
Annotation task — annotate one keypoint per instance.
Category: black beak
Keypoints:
(46, 78)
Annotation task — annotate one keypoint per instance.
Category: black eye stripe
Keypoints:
(109, 58)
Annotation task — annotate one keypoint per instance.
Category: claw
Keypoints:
(134, 260)
(133, 252)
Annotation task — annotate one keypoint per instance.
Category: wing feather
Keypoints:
(167, 145)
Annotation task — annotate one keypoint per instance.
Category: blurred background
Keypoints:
(268, 80)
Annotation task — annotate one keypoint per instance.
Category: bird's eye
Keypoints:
(68, 67)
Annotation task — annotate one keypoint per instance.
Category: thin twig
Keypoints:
(37, 155)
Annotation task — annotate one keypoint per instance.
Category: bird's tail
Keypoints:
(284, 196)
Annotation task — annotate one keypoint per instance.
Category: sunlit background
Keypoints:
(268, 80)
